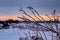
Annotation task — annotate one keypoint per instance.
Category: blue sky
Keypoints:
(11, 7)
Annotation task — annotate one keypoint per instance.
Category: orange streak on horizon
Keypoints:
(43, 16)
(15, 17)
(8, 17)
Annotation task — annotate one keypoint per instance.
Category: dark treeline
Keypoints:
(9, 21)
(6, 23)
(17, 21)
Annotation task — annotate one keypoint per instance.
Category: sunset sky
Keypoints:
(9, 9)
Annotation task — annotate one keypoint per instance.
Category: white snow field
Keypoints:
(16, 33)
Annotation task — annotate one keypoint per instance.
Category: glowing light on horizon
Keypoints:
(8, 17)
(16, 17)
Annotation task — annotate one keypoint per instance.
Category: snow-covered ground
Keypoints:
(16, 33)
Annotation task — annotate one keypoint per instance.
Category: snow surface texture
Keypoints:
(16, 33)
(8, 34)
